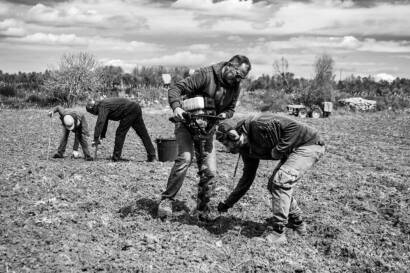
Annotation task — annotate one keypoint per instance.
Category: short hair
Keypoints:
(240, 59)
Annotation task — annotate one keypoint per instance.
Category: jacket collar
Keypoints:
(218, 71)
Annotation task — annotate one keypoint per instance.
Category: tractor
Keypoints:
(313, 111)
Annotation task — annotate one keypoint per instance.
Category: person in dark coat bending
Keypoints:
(129, 114)
(266, 136)
(75, 122)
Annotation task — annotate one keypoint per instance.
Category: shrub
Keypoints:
(275, 101)
(42, 101)
(8, 91)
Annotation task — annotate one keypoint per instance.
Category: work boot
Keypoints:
(89, 158)
(298, 225)
(165, 208)
(115, 159)
(276, 235)
(58, 155)
(152, 158)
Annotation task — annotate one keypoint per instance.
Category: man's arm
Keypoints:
(104, 130)
(58, 109)
(249, 173)
(230, 109)
(187, 86)
(102, 117)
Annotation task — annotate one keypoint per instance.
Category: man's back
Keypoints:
(268, 131)
(116, 108)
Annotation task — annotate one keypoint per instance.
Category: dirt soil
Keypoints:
(69, 215)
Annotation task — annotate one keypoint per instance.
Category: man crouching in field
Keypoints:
(129, 114)
(273, 137)
(75, 122)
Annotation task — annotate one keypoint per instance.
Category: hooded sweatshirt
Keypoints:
(206, 82)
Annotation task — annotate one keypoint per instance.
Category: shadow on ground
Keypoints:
(218, 225)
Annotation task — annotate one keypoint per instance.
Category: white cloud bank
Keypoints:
(384, 77)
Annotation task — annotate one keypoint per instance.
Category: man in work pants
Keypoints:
(220, 84)
(273, 137)
(129, 114)
(75, 122)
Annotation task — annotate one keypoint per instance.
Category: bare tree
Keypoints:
(76, 77)
(324, 70)
(281, 69)
(321, 87)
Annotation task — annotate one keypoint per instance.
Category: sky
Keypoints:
(363, 37)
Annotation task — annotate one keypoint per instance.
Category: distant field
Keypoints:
(70, 215)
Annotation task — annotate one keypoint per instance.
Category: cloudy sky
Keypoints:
(364, 37)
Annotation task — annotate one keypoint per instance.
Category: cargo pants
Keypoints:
(284, 176)
(187, 145)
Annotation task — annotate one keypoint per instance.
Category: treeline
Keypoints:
(80, 77)
(280, 90)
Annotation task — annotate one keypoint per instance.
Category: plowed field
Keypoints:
(69, 215)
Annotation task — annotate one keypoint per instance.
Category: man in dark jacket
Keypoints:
(75, 122)
(273, 137)
(129, 114)
(218, 83)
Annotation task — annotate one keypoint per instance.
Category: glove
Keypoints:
(178, 113)
(222, 207)
(76, 154)
(95, 143)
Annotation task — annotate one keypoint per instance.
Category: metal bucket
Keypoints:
(167, 149)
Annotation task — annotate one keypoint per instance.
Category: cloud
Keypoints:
(52, 39)
(125, 65)
(63, 15)
(235, 38)
(185, 57)
(384, 77)
(346, 43)
(11, 27)
(95, 43)
(199, 47)
(318, 17)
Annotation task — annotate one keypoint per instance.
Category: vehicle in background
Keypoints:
(314, 111)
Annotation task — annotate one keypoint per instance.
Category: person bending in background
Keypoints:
(75, 122)
(267, 136)
(129, 114)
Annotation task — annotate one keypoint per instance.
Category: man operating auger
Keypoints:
(211, 91)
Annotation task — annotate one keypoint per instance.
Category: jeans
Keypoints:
(80, 138)
(283, 179)
(206, 160)
(135, 121)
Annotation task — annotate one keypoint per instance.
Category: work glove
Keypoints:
(178, 113)
(95, 143)
(75, 154)
(222, 207)
(50, 114)
(222, 115)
